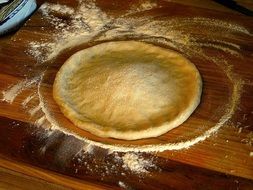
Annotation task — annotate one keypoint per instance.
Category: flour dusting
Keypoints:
(142, 5)
(88, 148)
(34, 110)
(13, 91)
(230, 109)
(88, 23)
(122, 184)
(135, 163)
(40, 121)
(27, 100)
(48, 8)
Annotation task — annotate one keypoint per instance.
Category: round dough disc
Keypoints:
(127, 89)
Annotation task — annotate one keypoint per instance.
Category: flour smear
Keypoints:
(13, 91)
(88, 23)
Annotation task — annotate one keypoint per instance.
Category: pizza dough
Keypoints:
(127, 90)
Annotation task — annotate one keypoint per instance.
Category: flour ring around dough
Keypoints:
(127, 90)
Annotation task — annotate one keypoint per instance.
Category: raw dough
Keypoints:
(127, 90)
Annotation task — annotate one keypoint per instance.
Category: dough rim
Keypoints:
(151, 132)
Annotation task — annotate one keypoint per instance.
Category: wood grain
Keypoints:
(33, 175)
(169, 174)
(13, 180)
(220, 162)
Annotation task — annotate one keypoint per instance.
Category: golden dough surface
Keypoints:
(127, 90)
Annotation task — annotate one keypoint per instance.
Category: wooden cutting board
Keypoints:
(28, 152)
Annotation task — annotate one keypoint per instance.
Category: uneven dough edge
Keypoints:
(131, 134)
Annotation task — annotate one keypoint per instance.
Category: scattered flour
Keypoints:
(230, 109)
(249, 139)
(88, 148)
(240, 130)
(48, 8)
(142, 5)
(27, 100)
(235, 46)
(86, 22)
(136, 163)
(89, 23)
(122, 184)
(40, 121)
(13, 91)
(214, 24)
(227, 50)
(34, 110)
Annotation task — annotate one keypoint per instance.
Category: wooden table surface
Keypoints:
(222, 161)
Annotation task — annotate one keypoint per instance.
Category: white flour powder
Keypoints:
(89, 23)
(122, 185)
(27, 100)
(136, 163)
(86, 22)
(14, 90)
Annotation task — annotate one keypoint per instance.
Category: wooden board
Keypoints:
(221, 161)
